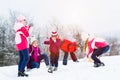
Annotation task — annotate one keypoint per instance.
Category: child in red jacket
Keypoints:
(69, 47)
(54, 48)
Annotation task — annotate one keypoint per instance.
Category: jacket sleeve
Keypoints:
(90, 48)
(39, 51)
(39, 56)
(30, 50)
(25, 31)
(47, 42)
(30, 29)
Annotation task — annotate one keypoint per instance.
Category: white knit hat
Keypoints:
(32, 39)
(20, 18)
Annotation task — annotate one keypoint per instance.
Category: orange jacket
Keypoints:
(68, 46)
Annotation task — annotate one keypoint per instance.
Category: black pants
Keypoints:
(65, 58)
(98, 52)
(73, 56)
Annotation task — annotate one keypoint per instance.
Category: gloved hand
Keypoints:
(31, 24)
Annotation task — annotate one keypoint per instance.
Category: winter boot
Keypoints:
(22, 74)
(25, 74)
(55, 69)
(102, 64)
(50, 70)
(64, 62)
(97, 64)
(76, 61)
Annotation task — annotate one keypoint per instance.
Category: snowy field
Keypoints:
(83, 70)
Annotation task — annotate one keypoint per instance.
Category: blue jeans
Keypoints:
(24, 58)
(37, 65)
(34, 65)
(45, 57)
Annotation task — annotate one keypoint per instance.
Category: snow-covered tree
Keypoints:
(114, 46)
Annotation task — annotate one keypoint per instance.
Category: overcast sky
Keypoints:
(97, 16)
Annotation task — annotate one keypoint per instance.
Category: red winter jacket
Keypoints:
(54, 46)
(68, 46)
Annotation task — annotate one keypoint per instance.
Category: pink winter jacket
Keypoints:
(21, 36)
(35, 55)
(95, 43)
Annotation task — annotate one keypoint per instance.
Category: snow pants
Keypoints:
(98, 52)
(54, 59)
(73, 56)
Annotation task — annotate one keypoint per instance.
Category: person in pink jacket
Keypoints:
(22, 33)
(54, 49)
(94, 47)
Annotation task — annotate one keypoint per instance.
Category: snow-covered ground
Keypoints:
(83, 70)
